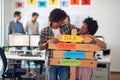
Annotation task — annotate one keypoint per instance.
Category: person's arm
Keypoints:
(74, 27)
(98, 42)
(23, 31)
(37, 30)
(101, 43)
(8, 32)
(44, 43)
(26, 28)
(9, 29)
(44, 46)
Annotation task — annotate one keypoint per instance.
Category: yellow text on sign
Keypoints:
(31, 2)
(71, 38)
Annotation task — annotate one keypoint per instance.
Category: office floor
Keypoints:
(115, 76)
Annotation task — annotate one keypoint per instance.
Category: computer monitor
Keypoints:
(34, 40)
(100, 37)
(18, 40)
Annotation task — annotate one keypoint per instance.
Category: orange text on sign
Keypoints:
(66, 46)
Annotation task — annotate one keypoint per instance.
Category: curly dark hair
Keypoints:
(57, 15)
(92, 25)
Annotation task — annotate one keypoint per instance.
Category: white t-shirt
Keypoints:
(56, 32)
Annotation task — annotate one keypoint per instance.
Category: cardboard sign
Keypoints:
(70, 38)
(60, 54)
(74, 54)
(70, 62)
(83, 63)
(66, 46)
(81, 47)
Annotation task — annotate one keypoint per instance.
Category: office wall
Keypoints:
(0, 23)
(106, 12)
(7, 17)
(77, 13)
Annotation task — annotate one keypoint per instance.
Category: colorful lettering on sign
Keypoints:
(72, 38)
(74, 54)
(66, 46)
(70, 62)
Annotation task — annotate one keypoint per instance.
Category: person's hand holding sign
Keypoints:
(53, 40)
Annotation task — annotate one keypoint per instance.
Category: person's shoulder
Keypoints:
(28, 22)
(72, 25)
(21, 23)
(45, 29)
(11, 22)
(68, 25)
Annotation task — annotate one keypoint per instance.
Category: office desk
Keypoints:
(15, 57)
(105, 60)
(29, 58)
(102, 73)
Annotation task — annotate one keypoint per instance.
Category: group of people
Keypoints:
(59, 23)
(31, 27)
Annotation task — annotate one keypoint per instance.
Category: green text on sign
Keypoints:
(69, 62)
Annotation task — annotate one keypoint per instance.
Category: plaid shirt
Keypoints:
(47, 34)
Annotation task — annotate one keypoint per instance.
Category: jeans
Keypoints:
(59, 73)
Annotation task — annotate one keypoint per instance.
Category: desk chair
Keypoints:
(40, 63)
(14, 73)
